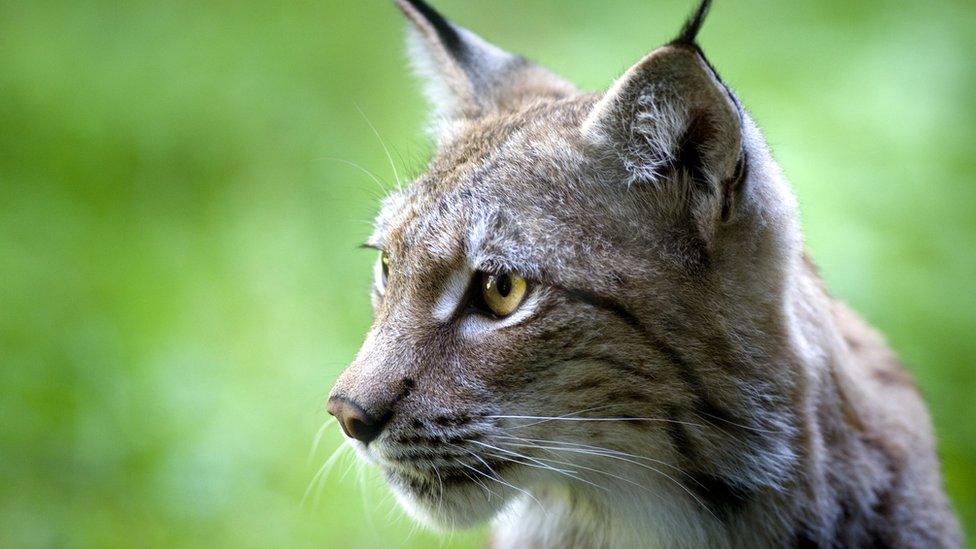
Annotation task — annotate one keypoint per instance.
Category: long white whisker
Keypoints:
(318, 438)
(485, 463)
(495, 477)
(364, 494)
(543, 419)
(734, 424)
(488, 492)
(570, 414)
(323, 471)
(440, 482)
(386, 149)
(609, 452)
(518, 455)
(369, 173)
(530, 462)
(475, 455)
(589, 452)
(669, 477)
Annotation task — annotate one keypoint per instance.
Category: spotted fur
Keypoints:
(678, 376)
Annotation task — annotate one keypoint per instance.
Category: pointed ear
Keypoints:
(466, 76)
(670, 114)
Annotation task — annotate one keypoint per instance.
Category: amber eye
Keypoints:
(383, 271)
(502, 293)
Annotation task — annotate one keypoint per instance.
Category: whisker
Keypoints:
(585, 451)
(440, 482)
(518, 455)
(495, 477)
(669, 477)
(638, 485)
(318, 438)
(479, 482)
(370, 174)
(531, 462)
(570, 414)
(476, 456)
(386, 149)
(323, 472)
(544, 419)
(364, 494)
(585, 468)
(609, 452)
(739, 425)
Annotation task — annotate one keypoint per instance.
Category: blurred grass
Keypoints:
(179, 278)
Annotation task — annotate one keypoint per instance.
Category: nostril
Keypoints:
(355, 422)
(360, 429)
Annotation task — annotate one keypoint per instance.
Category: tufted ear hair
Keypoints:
(466, 76)
(671, 113)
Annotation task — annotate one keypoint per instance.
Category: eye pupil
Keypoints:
(501, 293)
(504, 285)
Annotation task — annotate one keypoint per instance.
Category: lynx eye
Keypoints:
(502, 293)
(383, 271)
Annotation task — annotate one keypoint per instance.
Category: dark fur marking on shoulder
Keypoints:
(722, 497)
(704, 405)
(678, 435)
(803, 540)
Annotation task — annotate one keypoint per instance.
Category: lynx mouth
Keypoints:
(448, 496)
(430, 480)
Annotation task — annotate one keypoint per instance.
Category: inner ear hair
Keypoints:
(734, 186)
(699, 132)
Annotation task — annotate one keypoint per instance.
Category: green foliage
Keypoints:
(179, 216)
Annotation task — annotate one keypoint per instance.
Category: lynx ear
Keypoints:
(670, 112)
(466, 76)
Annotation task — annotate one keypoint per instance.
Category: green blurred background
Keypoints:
(179, 278)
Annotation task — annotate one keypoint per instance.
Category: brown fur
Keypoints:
(678, 375)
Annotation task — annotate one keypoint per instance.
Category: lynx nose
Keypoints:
(355, 422)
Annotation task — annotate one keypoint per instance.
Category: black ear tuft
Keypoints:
(465, 75)
(694, 23)
(448, 33)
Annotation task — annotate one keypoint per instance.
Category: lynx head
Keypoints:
(567, 285)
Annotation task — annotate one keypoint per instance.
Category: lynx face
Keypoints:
(552, 290)
(464, 371)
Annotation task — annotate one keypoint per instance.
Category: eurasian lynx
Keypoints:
(595, 324)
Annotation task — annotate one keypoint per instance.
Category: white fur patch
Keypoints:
(453, 293)
(475, 326)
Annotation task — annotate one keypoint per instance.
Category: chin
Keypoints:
(450, 503)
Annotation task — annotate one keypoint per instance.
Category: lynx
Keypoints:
(596, 326)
